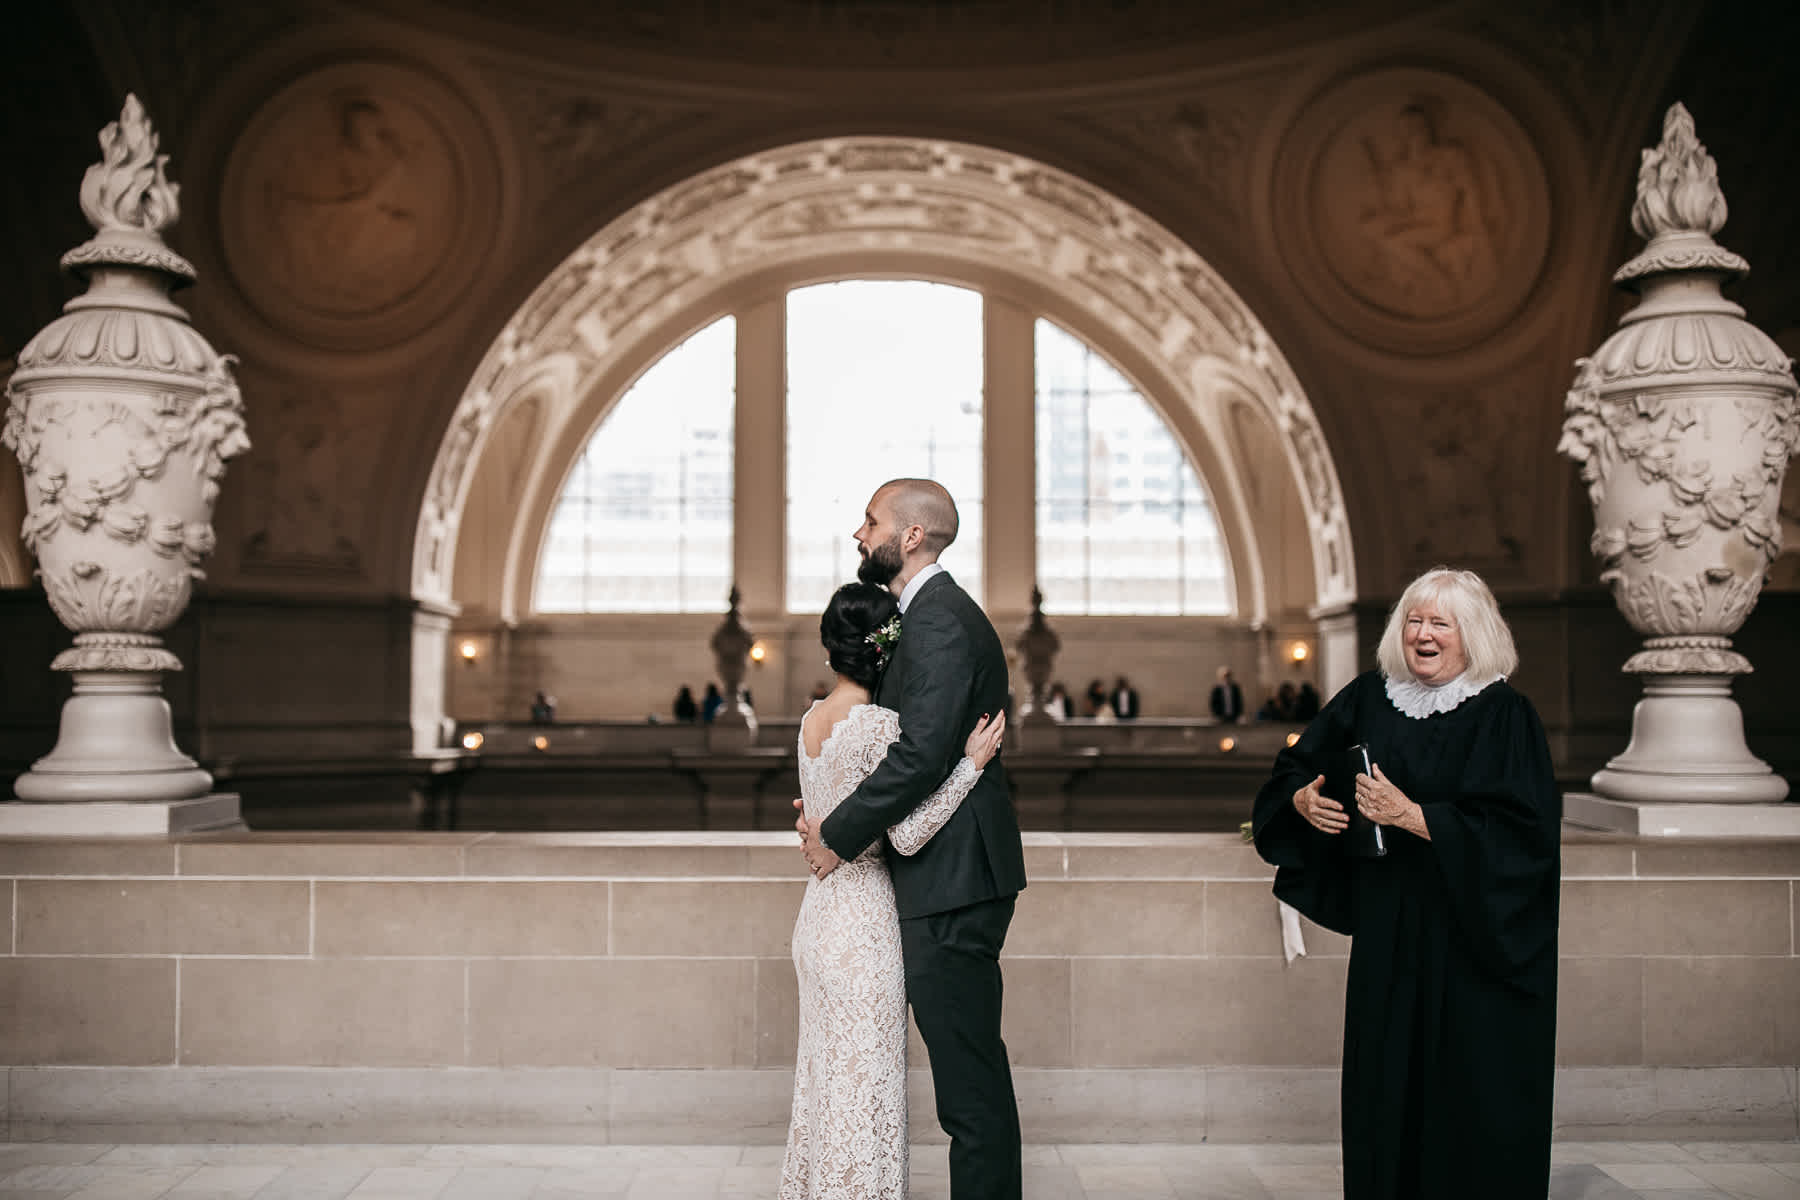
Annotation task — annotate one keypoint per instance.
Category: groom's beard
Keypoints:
(880, 564)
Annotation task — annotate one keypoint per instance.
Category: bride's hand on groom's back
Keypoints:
(984, 740)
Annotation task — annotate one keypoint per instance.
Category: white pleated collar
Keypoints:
(1418, 700)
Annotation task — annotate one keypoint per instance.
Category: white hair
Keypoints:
(1486, 640)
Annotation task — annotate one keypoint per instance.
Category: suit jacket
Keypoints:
(947, 669)
(1227, 706)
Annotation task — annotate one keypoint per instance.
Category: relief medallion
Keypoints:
(350, 203)
(1412, 210)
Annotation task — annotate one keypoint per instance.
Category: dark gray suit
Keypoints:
(956, 895)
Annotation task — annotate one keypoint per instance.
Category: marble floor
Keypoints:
(1582, 1171)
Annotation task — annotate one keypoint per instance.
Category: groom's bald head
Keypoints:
(927, 504)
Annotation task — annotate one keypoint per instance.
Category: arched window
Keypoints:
(644, 522)
(1124, 524)
(884, 381)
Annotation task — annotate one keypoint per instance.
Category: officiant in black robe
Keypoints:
(1450, 1011)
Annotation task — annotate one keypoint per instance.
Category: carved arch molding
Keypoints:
(826, 199)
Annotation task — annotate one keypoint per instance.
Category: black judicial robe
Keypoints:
(1450, 1012)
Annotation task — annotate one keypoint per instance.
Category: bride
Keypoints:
(847, 1136)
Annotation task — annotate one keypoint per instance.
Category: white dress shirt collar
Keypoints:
(918, 581)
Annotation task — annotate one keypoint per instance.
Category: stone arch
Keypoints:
(875, 206)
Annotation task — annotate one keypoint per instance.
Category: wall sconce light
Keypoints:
(472, 740)
(1227, 745)
(1298, 652)
(540, 742)
(758, 652)
(469, 651)
(1293, 738)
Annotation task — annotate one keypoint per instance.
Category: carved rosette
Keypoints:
(1683, 423)
(122, 418)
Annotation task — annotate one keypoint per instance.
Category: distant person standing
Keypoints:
(1094, 702)
(686, 710)
(1306, 704)
(543, 709)
(1280, 706)
(711, 704)
(1227, 700)
(1124, 700)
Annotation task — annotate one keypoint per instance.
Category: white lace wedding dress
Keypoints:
(847, 1136)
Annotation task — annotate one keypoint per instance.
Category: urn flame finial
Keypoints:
(127, 190)
(1678, 183)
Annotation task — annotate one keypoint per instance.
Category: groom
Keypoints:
(956, 895)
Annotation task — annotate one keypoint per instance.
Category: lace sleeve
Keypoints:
(911, 834)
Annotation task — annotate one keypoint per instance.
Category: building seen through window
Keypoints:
(884, 381)
(644, 522)
(1124, 524)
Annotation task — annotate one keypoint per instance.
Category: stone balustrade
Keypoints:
(638, 988)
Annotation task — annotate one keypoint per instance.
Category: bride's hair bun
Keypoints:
(855, 611)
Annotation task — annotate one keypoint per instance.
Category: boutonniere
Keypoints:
(885, 638)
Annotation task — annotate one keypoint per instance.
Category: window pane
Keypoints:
(644, 521)
(1124, 524)
(884, 381)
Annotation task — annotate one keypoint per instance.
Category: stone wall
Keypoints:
(639, 988)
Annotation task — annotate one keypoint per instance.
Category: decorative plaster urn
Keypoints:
(122, 417)
(734, 728)
(1683, 422)
(1037, 645)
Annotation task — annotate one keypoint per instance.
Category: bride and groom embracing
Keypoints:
(908, 827)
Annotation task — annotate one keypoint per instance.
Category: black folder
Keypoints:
(1364, 838)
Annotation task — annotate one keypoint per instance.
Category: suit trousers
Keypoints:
(953, 984)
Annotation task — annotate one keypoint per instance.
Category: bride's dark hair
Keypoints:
(855, 611)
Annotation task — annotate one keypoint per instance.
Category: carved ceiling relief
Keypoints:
(1460, 461)
(1202, 140)
(1412, 209)
(180, 48)
(778, 34)
(357, 201)
(830, 197)
(1416, 221)
(1591, 47)
(305, 481)
(575, 133)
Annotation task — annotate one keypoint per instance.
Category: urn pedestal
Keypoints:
(1683, 422)
(122, 418)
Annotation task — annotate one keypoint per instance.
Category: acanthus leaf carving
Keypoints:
(88, 596)
(1658, 603)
